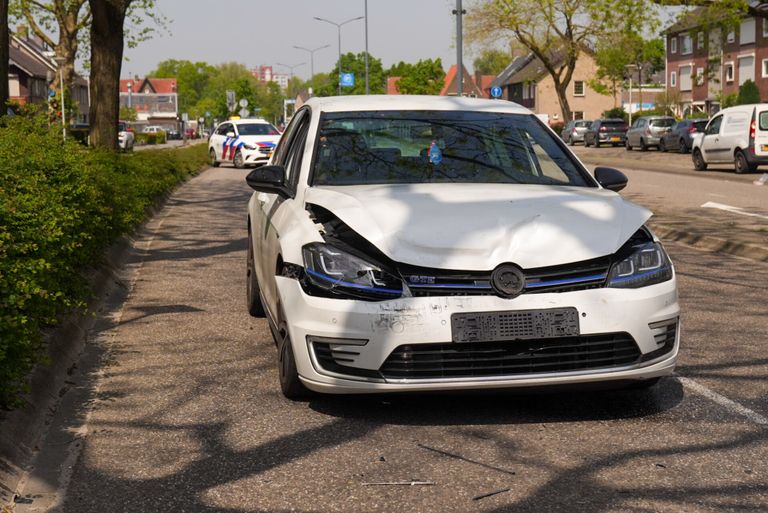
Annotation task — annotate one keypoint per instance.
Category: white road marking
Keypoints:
(729, 208)
(723, 401)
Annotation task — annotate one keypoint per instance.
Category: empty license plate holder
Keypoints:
(514, 325)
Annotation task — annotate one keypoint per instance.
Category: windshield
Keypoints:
(583, 124)
(440, 146)
(257, 129)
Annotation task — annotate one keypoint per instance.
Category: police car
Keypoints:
(243, 142)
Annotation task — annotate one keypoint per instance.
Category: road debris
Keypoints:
(462, 458)
(402, 483)
(490, 494)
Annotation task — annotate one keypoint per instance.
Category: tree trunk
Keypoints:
(562, 98)
(106, 62)
(4, 56)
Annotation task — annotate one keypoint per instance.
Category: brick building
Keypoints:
(704, 65)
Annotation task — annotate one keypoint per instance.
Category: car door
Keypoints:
(711, 146)
(761, 131)
(217, 140)
(289, 155)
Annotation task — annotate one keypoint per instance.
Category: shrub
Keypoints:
(748, 93)
(616, 112)
(61, 205)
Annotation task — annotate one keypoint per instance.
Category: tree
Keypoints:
(491, 61)
(68, 19)
(192, 79)
(557, 31)
(4, 57)
(425, 77)
(107, 39)
(748, 93)
(351, 63)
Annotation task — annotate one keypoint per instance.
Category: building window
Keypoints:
(765, 68)
(673, 44)
(700, 41)
(746, 68)
(729, 72)
(699, 76)
(578, 88)
(525, 90)
(747, 32)
(686, 45)
(577, 115)
(731, 37)
(686, 83)
(765, 27)
(673, 79)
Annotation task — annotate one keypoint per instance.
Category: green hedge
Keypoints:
(150, 138)
(61, 205)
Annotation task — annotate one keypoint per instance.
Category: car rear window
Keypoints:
(662, 122)
(389, 147)
(582, 124)
(613, 124)
(256, 129)
(763, 117)
(701, 125)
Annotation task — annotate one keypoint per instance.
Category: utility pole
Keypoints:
(367, 87)
(338, 27)
(4, 56)
(459, 12)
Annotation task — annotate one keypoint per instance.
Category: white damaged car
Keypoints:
(419, 243)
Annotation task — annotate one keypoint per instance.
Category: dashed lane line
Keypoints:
(723, 401)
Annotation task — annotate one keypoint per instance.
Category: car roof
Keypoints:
(412, 102)
(248, 120)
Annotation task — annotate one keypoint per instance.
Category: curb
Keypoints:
(710, 243)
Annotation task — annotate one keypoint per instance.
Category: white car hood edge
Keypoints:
(479, 226)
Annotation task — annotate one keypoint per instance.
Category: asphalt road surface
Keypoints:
(182, 410)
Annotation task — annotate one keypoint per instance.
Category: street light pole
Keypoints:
(338, 27)
(367, 87)
(311, 57)
(630, 67)
(459, 12)
(291, 68)
(60, 62)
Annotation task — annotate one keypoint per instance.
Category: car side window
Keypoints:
(714, 126)
(296, 154)
(281, 152)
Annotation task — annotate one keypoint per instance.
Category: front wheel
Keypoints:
(239, 161)
(253, 297)
(698, 160)
(290, 384)
(662, 146)
(741, 163)
(683, 147)
(627, 145)
(212, 158)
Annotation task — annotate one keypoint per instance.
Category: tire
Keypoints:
(238, 160)
(627, 145)
(698, 160)
(741, 164)
(597, 142)
(683, 147)
(212, 157)
(571, 142)
(290, 384)
(253, 297)
(662, 146)
(643, 147)
(586, 142)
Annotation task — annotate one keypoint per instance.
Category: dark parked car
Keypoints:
(573, 131)
(173, 135)
(647, 131)
(606, 131)
(680, 136)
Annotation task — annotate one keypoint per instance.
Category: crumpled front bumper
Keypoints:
(385, 325)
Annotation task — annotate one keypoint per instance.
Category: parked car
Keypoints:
(606, 131)
(545, 277)
(736, 134)
(191, 133)
(125, 136)
(573, 131)
(647, 131)
(680, 136)
(152, 129)
(172, 135)
(244, 142)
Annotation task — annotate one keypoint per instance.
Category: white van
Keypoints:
(736, 134)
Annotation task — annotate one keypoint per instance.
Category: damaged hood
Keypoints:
(479, 226)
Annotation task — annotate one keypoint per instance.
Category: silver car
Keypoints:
(573, 131)
(647, 131)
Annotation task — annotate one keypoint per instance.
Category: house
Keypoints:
(702, 66)
(32, 72)
(526, 81)
(155, 101)
(473, 86)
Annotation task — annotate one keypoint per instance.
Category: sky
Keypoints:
(263, 32)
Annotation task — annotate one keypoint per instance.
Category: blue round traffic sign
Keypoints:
(496, 91)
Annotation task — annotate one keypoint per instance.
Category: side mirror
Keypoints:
(231, 135)
(269, 179)
(610, 178)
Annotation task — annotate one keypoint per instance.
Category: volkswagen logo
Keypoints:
(508, 281)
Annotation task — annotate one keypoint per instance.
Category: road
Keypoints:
(184, 411)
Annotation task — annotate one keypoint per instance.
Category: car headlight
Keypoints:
(647, 264)
(249, 146)
(347, 276)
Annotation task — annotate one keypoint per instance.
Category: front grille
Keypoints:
(502, 359)
(585, 275)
